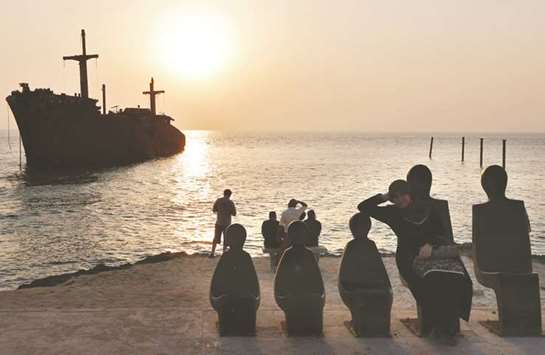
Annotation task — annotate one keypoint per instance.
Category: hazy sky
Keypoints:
(397, 65)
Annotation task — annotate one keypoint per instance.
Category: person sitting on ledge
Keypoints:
(444, 295)
(314, 229)
(420, 180)
(269, 230)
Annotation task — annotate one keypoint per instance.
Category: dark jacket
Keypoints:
(410, 238)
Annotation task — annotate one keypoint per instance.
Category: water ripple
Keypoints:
(63, 222)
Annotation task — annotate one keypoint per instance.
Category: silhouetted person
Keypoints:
(293, 213)
(269, 230)
(314, 228)
(418, 229)
(502, 256)
(298, 285)
(420, 181)
(234, 291)
(364, 285)
(224, 209)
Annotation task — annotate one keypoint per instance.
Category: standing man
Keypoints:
(224, 208)
(293, 213)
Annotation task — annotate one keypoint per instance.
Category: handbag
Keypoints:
(445, 252)
(444, 258)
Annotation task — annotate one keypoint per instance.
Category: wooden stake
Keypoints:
(504, 144)
(463, 148)
(104, 111)
(481, 153)
(431, 147)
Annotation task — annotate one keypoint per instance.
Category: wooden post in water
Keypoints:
(481, 153)
(104, 111)
(504, 144)
(431, 147)
(463, 148)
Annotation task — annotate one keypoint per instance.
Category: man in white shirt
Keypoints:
(293, 213)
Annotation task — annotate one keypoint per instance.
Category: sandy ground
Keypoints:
(163, 308)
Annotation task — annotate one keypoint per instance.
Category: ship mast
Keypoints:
(152, 93)
(82, 59)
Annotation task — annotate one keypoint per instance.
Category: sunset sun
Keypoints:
(195, 44)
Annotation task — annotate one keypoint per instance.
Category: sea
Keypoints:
(58, 222)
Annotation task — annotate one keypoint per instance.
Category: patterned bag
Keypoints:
(451, 264)
(445, 252)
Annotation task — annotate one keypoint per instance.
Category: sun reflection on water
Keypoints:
(193, 163)
(192, 180)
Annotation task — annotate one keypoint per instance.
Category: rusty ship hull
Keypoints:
(61, 131)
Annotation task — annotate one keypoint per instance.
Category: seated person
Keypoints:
(234, 291)
(445, 293)
(364, 285)
(298, 285)
(420, 180)
(502, 256)
(269, 230)
(314, 229)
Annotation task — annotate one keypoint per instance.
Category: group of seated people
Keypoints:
(427, 259)
(275, 231)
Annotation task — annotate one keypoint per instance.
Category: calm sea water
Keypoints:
(57, 223)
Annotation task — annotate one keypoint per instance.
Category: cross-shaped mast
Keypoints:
(152, 93)
(82, 59)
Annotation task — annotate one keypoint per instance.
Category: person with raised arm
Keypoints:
(420, 232)
(294, 212)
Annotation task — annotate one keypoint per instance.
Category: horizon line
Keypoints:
(348, 131)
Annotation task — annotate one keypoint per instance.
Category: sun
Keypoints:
(197, 44)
